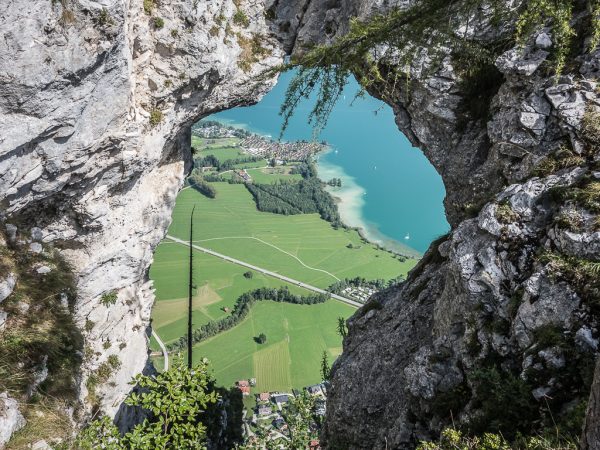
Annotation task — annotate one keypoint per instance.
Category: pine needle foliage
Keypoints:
(541, 12)
(379, 52)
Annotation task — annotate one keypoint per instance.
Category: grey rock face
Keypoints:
(79, 157)
(42, 270)
(35, 247)
(543, 40)
(11, 232)
(485, 291)
(7, 284)
(41, 445)
(36, 234)
(11, 419)
(590, 439)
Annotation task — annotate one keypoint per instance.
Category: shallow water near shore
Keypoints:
(389, 189)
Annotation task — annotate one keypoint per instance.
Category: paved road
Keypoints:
(270, 245)
(267, 272)
(163, 348)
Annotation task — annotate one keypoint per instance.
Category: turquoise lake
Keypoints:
(389, 188)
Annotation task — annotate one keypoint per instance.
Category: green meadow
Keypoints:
(297, 335)
(205, 145)
(303, 247)
(218, 285)
(269, 175)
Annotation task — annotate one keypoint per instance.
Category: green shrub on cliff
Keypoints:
(109, 298)
(39, 334)
(452, 439)
(178, 400)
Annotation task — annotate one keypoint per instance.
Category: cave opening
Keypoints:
(285, 222)
(393, 191)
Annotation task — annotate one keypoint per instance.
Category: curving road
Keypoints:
(164, 350)
(273, 246)
(267, 272)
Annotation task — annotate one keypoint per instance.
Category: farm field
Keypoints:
(297, 335)
(222, 153)
(219, 284)
(303, 247)
(269, 175)
(202, 144)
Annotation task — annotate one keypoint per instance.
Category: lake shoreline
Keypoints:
(350, 199)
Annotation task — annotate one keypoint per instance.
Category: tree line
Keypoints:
(241, 309)
(228, 164)
(198, 182)
(295, 197)
(305, 169)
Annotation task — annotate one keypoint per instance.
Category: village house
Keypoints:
(243, 386)
(281, 151)
(264, 410)
(243, 175)
(315, 389)
(314, 445)
(281, 399)
(264, 397)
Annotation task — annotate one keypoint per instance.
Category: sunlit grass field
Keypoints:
(270, 175)
(297, 335)
(218, 285)
(303, 247)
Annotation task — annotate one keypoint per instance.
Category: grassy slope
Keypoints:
(271, 175)
(296, 338)
(296, 335)
(233, 215)
(219, 284)
(202, 144)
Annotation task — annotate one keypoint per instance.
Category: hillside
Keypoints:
(496, 329)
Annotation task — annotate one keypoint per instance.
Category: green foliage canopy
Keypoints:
(177, 399)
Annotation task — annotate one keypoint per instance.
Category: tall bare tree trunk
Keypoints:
(590, 439)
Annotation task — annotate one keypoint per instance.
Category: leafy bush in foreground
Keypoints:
(452, 439)
(178, 400)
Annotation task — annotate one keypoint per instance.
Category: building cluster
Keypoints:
(280, 151)
(269, 412)
(359, 293)
(257, 145)
(243, 175)
(244, 385)
(211, 129)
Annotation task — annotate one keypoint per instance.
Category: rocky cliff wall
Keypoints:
(98, 97)
(497, 328)
(96, 103)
